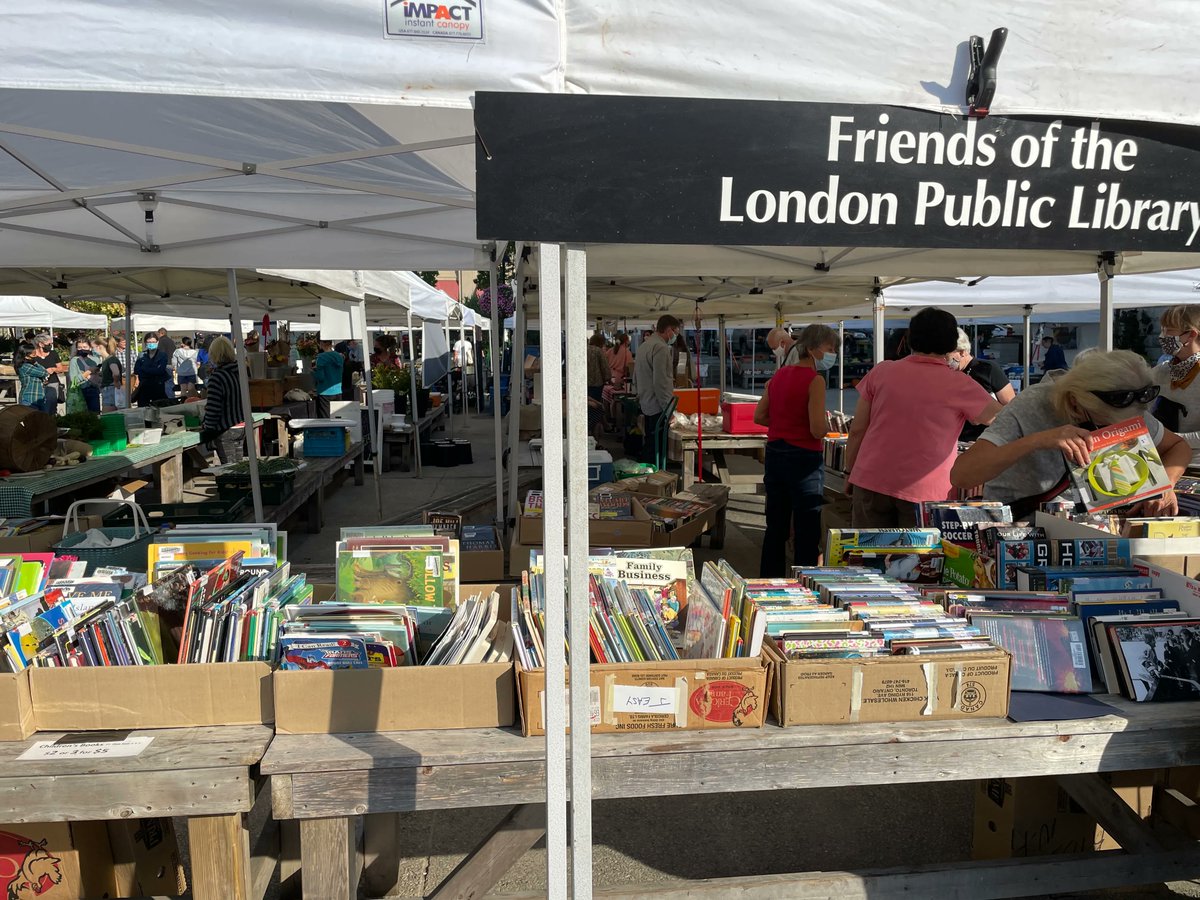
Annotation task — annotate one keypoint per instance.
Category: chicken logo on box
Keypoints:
(27, 868)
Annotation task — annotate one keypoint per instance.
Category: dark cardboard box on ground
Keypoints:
(656, 484)
(481, 566)
(406, 698)
(689, 532)
(43, 539)
(888, 688)
(1034, 816)
(698, 694)
(16, 707)
(622, 533)
(170, 696)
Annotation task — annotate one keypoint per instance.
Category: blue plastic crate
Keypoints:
(324, 441)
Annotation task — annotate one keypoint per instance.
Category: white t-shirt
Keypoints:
(1030, 412)
(184, 362)
(464, 350)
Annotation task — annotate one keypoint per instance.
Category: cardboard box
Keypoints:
(888, 688)
(481, 566)
(170, 696)
(43, 539)
(1034, 816)
(698, 695)
(39, 860)
(348, 701)
(16, 707)
(518, 555)
(407, 698)
(688, 533)
(266, 393)
(632, 533)
(656, 484)
(145, 859)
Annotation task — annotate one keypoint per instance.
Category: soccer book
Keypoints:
(1124, 467)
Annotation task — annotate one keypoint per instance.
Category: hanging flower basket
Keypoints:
(506, 301)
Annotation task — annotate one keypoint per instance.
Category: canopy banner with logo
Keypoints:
(653, 170)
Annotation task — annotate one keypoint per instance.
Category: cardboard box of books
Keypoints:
(656, 484)
(30, 537)
(1035, 817)
(685, 694)
(618, 520)
(16, 706)
(972, 685)
(90, 698)
(402, 697)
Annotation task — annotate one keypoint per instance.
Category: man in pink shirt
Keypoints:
(904, 437)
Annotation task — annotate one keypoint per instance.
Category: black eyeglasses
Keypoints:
(1122, 399)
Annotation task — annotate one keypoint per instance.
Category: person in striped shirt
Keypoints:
(223, 414)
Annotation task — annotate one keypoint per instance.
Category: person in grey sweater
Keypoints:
(654, 379)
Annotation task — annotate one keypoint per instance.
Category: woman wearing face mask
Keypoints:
(905, 432)
(793, 410)
(985, 373)
(1022, 459)
(1179, 403)
(151, 372)
(83, 381)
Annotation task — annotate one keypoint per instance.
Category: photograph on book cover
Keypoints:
(1162, 660)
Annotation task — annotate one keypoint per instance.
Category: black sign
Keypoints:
(593, 169)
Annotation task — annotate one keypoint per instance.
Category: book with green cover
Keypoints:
(391, 575)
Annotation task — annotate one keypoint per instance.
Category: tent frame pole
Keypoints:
(372, 424)
(1105, 273)
(494, 334)
(877, 310)
(1027, 318)
(450, 377)
(128, 373)
(577, 573)
(239, 347)
(550, 297)
(842, 367)
(413, 414)
(516, 389)
(721, 350)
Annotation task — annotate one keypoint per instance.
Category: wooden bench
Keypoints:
(308, 491)
(202, 774)
(324, 781)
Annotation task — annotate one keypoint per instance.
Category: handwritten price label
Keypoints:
(662, 700)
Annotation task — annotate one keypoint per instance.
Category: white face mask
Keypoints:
(954, 362)
(826, 361)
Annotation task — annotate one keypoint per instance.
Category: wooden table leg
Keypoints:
(478, 873)
(313, 512)
(220, 849)
(716, 538)
(168, 474)
(381, 853)
(327, 855)
(290, 875)
(689, 468)
(358, 469)
(385, 454)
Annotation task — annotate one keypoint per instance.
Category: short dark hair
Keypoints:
(933, 330)
(665, 321)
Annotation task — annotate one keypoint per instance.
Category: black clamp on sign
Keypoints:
(981, 79)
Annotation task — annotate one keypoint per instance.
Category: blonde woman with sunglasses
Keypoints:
(1022, 458)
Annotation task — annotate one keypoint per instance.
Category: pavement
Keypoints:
(656, 841)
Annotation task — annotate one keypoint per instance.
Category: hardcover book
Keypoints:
(1124, 467)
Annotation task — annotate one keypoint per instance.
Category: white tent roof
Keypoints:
(37, 312)
(374, 169)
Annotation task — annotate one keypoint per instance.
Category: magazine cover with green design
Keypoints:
(387, 575)
(1124, 467)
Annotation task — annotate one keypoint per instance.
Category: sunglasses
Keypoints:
(1122, 399)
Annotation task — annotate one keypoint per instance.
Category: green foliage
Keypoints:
(430, 277)
(391, 378)
(85, 425)
(109, 308)
(1130, 331)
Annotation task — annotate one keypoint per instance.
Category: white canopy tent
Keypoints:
(375, 171)
(38, 312)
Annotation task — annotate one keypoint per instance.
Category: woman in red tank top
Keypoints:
(793, 410)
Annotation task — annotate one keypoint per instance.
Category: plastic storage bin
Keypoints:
(738, 418)
(324, 441)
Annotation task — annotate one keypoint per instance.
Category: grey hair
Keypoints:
(814, 336)
(41, 338)
(1117, 370)
(964, 342)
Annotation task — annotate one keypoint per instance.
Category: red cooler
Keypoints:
(738, 418)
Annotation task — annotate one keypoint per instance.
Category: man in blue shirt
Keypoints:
(327, 373)
(1053, 356)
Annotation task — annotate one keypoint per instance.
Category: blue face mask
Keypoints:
(826, 362)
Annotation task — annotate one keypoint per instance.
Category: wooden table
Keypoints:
(308, 491)
(406, 439)
(716, 442)
(202, 774)
(325, 780)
